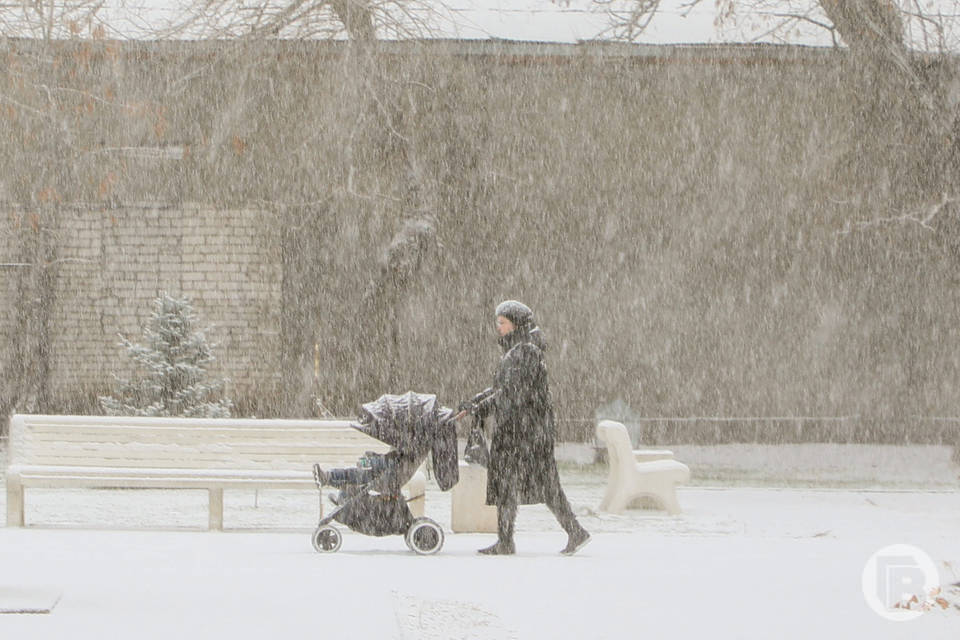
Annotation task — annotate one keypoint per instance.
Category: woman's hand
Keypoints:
(480, 405)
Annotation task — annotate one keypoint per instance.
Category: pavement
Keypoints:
(739, 562)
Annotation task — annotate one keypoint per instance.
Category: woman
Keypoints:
(522, 469)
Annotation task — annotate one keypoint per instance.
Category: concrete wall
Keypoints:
(686, 223)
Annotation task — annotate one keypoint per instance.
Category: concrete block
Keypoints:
(469, 512)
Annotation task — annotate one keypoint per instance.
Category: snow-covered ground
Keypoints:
(742, 561)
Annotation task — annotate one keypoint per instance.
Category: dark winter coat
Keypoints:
(521, 449)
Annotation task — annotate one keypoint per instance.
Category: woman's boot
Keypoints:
(506, 516)
(577, 536)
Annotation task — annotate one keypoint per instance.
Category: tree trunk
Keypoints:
(26, 375)
(356, 18)
(874, 31)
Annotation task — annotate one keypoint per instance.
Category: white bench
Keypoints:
(180, 453)
(641, 474)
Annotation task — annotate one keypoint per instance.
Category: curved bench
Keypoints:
(638, 474)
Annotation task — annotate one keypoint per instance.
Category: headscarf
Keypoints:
(525, 329)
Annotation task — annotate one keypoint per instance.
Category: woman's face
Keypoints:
(504, 326)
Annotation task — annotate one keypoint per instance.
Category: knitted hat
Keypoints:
(516, 312)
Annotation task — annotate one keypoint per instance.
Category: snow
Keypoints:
(740, 562)
(823, 465)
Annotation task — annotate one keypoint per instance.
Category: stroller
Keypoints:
(370, 501)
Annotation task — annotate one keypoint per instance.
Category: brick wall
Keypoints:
(115, 262)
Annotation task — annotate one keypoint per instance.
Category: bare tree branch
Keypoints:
(922, 217)
(628, 22)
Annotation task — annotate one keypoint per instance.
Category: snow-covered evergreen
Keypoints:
(172, 368)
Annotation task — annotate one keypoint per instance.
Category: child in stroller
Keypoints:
(347, 479)
(370, 501)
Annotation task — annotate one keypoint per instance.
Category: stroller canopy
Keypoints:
(414, 424)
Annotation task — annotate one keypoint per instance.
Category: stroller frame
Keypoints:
(422, 535)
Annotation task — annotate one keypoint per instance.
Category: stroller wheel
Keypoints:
(327, 539)
(424, 536)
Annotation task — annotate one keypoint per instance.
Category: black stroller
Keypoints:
(370, 501)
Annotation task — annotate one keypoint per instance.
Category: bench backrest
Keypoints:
(614, 435)
(174, 443)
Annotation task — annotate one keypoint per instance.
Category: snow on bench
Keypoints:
(180, 453)
(638, 474)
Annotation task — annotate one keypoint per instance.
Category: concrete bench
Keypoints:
(469, 511)
(638, 474)
(180, 453)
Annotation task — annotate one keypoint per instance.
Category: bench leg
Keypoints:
(14, 502)
(669, 500)
(612, 500)
(616, 497)
(216, 509)
(615, 501)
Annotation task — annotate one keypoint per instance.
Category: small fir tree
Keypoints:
(173, 366)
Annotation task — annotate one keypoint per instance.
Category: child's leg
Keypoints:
(340, 478)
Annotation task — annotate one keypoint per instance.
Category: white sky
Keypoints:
(566, 21)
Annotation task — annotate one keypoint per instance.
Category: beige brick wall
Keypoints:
(115, 262)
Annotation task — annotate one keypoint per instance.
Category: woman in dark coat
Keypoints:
(521, 468)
